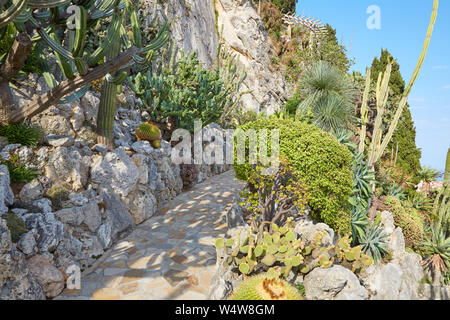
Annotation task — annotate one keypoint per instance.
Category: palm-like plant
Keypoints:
(428, 174)
(329, 94)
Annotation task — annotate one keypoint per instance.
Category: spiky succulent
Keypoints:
(359, 222)
(374, 242)
(344, 138)
(266, 287)
(363, 177)
(396, 191)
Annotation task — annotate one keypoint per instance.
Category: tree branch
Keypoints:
(41, 103)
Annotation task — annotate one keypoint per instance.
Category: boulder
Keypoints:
(27, 243)
(307, 231)
(336, 283)
(60, 141)
(116, 172)
(48, 276)
(31, 191)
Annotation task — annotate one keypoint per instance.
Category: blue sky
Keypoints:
(403, 28)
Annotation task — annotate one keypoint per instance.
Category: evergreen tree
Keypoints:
(409, 155)
(286, 6)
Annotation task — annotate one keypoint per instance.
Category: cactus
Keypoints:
(40, 21)
(266, 287)
(150, 132)
(280, 252)
(379, 143)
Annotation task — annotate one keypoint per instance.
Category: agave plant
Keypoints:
(421, 202)
(329, 95)
(396, 191)
(363, 177)
(359, 222)
(374, 242)
(344, 137)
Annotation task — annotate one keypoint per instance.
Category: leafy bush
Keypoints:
(16, 226)
(18, 172)
(272, 198)
(21, 133)
(409, 219)
(286, 6)
(320, 162)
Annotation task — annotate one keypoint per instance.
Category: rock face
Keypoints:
(6, 195)
(16, 283)
(244, 33)
(399, 279)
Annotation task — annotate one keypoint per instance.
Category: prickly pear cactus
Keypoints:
(266, 287)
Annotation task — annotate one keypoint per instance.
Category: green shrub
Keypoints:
(18, 171)
(16, 226)
(409, 219)
(21, 133)
(321, 163)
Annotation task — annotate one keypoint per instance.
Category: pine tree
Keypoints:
(408, 157)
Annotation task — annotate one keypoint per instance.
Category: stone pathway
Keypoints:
(170, 256)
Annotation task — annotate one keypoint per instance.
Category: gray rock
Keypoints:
(117, 212)
(55, 124)
(27, 243)
(60, 141)
(142, 205)
(43, 204)
(117, 172)
(100, 148)
(31, 191)
(387, 221)
(142, 147)
(104, 234)
(92, 217)
(67, 165)
(78, 199)
(6, 194)
(235, 216)
(49, 230)
(336, 283)
(386, 281)
(429, 292)
(73, 216)
(307, 230)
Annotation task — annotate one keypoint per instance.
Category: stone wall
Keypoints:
(85, 198)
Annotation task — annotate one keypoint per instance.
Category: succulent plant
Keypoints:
(359, 222)
(149, 132)
(374, 242)
(352, 255)
(266, 287)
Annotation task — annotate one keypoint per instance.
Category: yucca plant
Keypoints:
(421, 202)
(374, 242)
(329, 95)
(428, 174)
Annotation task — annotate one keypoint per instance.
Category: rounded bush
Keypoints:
(409, 219)
(322, 164)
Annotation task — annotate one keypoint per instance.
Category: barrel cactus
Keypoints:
(266, 287)
(149, 132)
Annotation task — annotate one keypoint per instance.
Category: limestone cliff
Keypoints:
(196, 26)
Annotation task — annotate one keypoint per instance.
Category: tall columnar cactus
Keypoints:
(62, 25)
(447, 168)
(379, 143)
